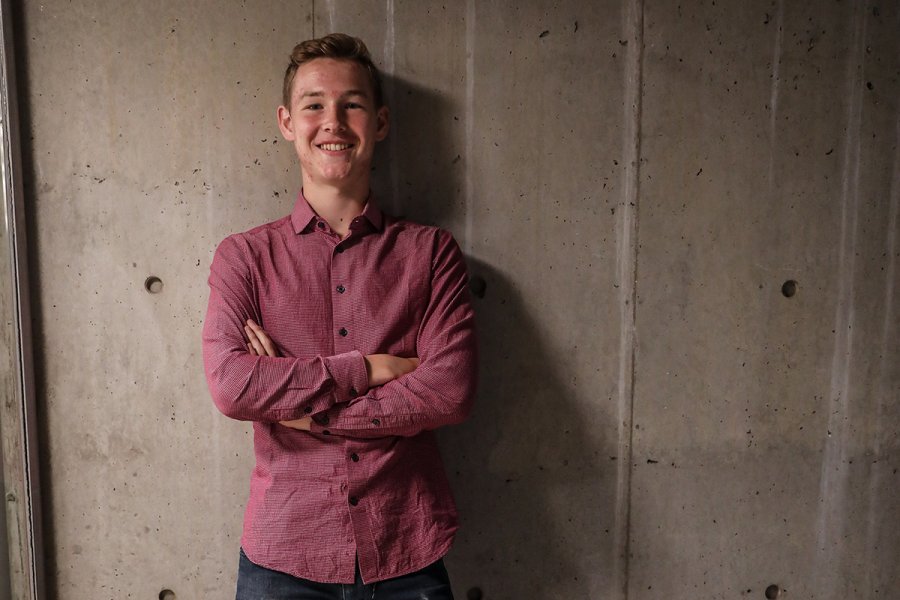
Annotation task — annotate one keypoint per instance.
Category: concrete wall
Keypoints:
(769, 154)
(633, 183)
(5, 575)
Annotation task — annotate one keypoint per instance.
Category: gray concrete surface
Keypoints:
(770, 153)
(633, 182)
(5, 575)
(152, 136)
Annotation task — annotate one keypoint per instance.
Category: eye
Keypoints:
(354, 105)
(313, 106)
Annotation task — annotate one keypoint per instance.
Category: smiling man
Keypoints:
(346, 336)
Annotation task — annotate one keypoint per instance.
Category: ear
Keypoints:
(382, 123)
(285, 123)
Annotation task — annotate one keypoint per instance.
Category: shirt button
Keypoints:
(320, 225)
(341, 289)
(354, 500)
(354, 457)
(353, 393)
(343, 332)
(376, 422)
(323, 420)
(326, 432)
(307, 409)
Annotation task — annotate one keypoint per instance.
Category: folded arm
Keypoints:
(441, 389)
(253, 387)
(380, 368)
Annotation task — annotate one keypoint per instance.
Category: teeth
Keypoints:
(334, 147)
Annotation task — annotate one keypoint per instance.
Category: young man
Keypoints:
(346, 336)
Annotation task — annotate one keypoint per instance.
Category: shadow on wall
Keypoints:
(524, 469)
(417, 172)
(536, 512)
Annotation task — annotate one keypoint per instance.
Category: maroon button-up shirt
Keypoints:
(368, 480)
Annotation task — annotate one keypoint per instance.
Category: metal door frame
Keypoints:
(18, 418)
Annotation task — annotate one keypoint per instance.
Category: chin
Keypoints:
(334, 178)
(336, 173)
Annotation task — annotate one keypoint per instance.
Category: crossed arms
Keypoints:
(380, 368)
(361, 396)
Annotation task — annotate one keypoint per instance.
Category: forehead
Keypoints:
(331, 77)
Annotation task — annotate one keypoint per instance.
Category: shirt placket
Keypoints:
(343, 297)
(345, 339)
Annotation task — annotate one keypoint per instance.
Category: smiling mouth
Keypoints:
(335, 147)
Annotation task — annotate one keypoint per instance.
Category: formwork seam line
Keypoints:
(627, 271)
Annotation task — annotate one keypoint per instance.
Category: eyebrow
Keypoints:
(319, 94)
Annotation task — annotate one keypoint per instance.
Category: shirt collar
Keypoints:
(303, 216)
(373, 214)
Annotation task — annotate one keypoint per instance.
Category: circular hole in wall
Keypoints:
(167, 595)
(772, 592)
(478, 286)
(154, 285)
(789, 288)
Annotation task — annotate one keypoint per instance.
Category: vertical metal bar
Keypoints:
(18, 430)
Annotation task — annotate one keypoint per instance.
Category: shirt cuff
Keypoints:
(348, 371)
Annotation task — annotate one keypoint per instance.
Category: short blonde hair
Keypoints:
(338, 46)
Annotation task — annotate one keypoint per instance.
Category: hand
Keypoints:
(382, 368)
(301, 424)
(259, 343)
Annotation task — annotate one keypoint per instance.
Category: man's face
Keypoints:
(333, 123)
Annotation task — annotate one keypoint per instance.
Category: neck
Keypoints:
(338, 206)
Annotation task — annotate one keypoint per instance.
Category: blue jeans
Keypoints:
(258, 583)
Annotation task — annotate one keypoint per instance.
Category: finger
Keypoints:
(251, 350)
(254, 341)
(415, 361)
(267, 343)
(301, 424)
(263, 338)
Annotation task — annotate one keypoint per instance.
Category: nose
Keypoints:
(335, 118)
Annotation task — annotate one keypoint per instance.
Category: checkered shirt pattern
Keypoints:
(367, 481)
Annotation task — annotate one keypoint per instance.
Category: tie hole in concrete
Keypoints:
(478, 286)
(153, 285)
(789, 288)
